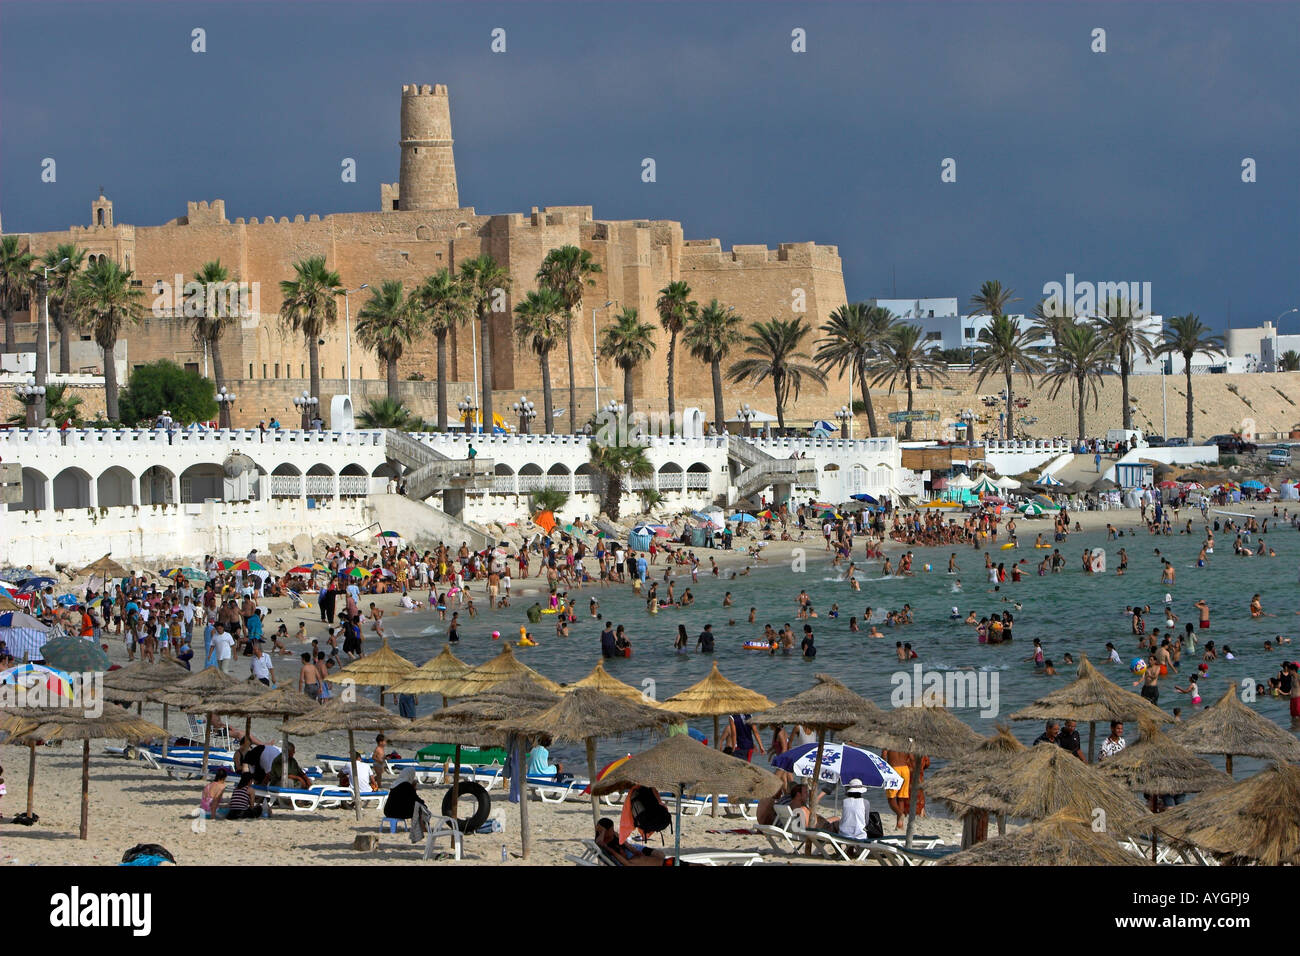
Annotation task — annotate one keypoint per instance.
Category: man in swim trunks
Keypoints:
(1204, 610)
(898, 799)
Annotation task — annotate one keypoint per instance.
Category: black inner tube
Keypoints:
(482, 805)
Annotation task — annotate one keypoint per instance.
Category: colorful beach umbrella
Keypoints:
(389, 534)
(247, 566)
(840, 762)
(189, 574)
(358, 573)
(71, 653)
(1031, 509)
(742, 517)
(67, 600)
(1049, 480)
(24, 635)
(52, 684)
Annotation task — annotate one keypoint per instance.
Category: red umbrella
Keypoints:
(1168, 484)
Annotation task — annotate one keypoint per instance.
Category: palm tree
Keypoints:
(309, 305)
(675, 310)
(998, 348)
(15, 279)
(905, 355)
(628, 343)
(106, 299)
(389, 413)
(1004, 348)
(855, 334)
(774, 347)
(483, 279)
(709, 336)
(1125, 332)
(1187, 335)
(538, 326)
(618, 463)
(1291, 361)
(59, 406)
(1050, 319)
(386, 325)
(442, 300)
(208, 329)
(62, 314)
(1079, 360)
(569, 270)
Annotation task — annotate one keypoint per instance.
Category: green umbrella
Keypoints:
(74, 654)
(1030, 509)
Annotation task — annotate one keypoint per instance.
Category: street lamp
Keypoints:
(307, 404)
(32, 396)
(746, 415)
(347, 331)
(595, 354)
(526, 411)
(468, 407)
(844, 415)
(224, 400)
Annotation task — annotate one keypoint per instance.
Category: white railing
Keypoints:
(354, 486)
(286, 486)
(532, 482)
(320, 486)
(671, 481)
(503, 484)
(186, 436)
(697, 481)
(586, 484)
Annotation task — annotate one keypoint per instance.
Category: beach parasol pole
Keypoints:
(207, 742)
(713, 811)
(591, 775)
(677, 830)
(166, 735)
(1227, 762)
(1092, 738)
(31, 776)
(356, 784)
(85, 788)
(455, 783)
(522, 769)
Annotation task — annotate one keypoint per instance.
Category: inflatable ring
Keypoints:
(757, 646)
(548, 610)
(1046, 547)
(482, 807)
(1008, 546)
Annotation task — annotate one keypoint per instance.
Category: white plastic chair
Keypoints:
(443, 828)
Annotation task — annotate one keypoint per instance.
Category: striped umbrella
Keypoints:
(23, 635)
(247, 566)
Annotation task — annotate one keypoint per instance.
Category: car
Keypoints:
(1233, 444)
(1175, 442)
(1280, 456)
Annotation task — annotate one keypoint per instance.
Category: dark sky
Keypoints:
(1122, 166)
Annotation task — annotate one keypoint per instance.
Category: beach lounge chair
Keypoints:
(295, 799)
(852, 850)
(220, 734)
(592, 855)
(443, 828)
(723, 859)
(779, 834)
(549, 791)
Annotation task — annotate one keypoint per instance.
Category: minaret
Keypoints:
(428, 171)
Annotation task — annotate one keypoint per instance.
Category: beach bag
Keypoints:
(648, 813)
(875, 830)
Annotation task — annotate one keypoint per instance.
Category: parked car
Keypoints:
(1280, 456)
(1233, 444)
(1175, 442)
(1157, 441)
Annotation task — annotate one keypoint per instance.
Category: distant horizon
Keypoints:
(1117, 166)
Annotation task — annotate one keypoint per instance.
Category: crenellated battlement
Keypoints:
(206, 213)
(424, 89)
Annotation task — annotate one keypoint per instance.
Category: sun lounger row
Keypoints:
(788, 836)
(320, 798)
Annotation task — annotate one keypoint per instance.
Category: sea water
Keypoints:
(1069, 611)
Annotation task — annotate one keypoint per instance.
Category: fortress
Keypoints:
(422, 228)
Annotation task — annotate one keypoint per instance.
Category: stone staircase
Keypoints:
(428, 471)
(758, 469)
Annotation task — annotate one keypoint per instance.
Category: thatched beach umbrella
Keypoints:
(495, 671)
(827, 705)
(92, 720)
(1159, 765)
(1092, 696)
(680, 764)
(142, 681)
(381, 669)
(1063, 839)
(966, 776)
(433, 676)
(354, 715)
(600, 679)
(105, 568)
(1256, 820)
(713, 697)
(195, 692)
(281, 702)
(477, 717)
(1231, 728)
(1040, 781)
(587, 714)
(918, 731)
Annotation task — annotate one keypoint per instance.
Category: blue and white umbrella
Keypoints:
(742, 516)
(67, 600)
(840, 762)
(1049, 480)
(865, 497)
(24, 635)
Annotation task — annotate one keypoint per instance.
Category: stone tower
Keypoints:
(428, 171)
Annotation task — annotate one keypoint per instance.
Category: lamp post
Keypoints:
(844, 416)
(32, 396)
(526, 412)
(468, 407)
(224, 400)
(347, 332)
(746, 415)
(306, 403)
(595, 356)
